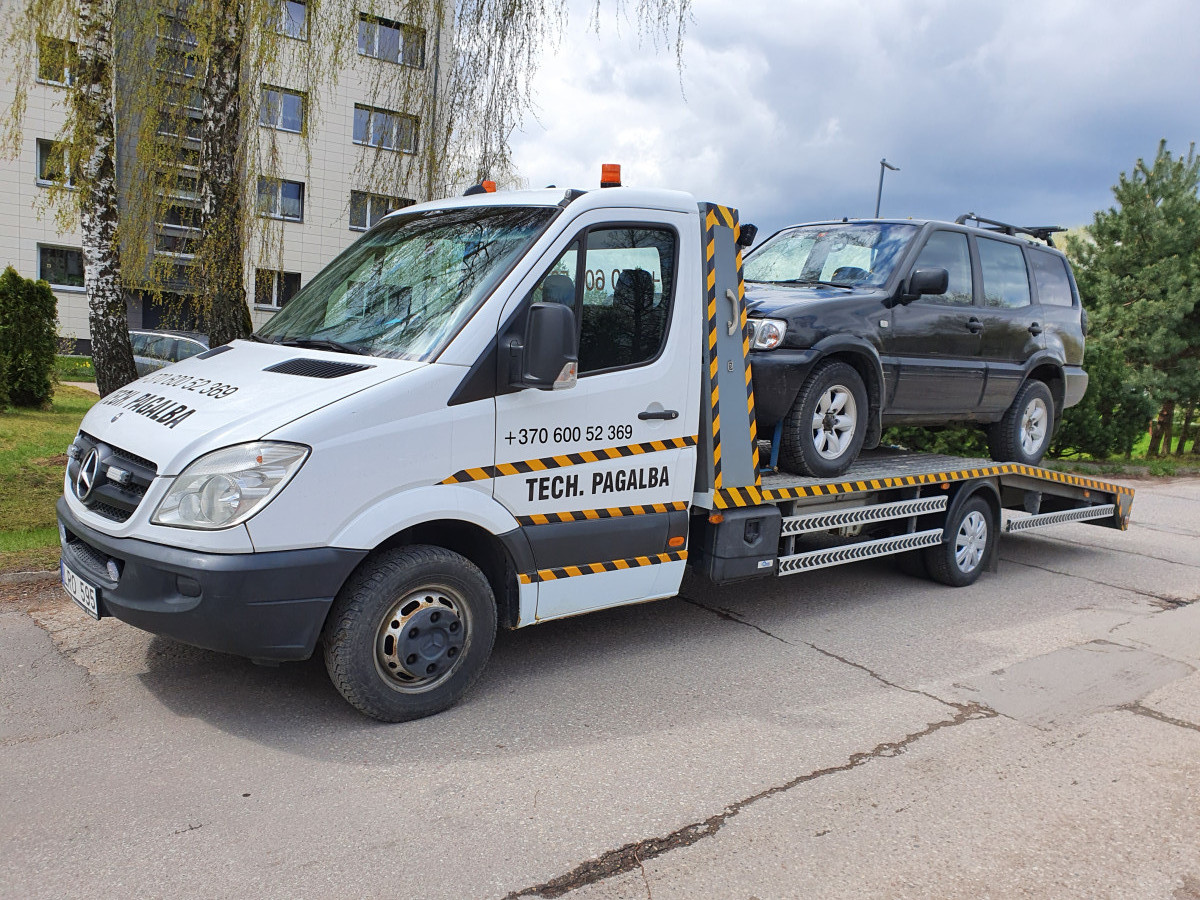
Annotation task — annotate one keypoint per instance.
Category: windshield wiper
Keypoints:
(816, 282)
(261, 339)
(324, 344)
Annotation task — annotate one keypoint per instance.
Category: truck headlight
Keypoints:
(226, 487)
(768, 333)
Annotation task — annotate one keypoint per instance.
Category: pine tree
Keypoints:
(1140, 278)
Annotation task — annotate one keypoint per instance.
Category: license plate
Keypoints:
(81, 592)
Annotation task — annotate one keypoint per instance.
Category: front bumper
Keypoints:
(778, 377)
(265, 606)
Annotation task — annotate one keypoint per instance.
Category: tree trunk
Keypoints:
(95, 129)
(1184, 431)
(1161, 429)
(221, 257)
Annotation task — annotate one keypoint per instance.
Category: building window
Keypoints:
(282, 109)
(391, 41)
(56, 60)
(274, 289)
(178, 229)
(61, 266)
(279, 199)
(293, 19)
(52, 163)
(172, 59)
(385, 129)
(173, 31)
(367, 209)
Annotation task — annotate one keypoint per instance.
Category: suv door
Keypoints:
(1012, 326)
(604, 471)
(932, 343)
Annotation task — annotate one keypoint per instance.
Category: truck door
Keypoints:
(602, 473)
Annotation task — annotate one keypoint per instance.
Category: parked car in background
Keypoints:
(152, 350)
(858, 325)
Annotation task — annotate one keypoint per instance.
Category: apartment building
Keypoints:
(319, 147)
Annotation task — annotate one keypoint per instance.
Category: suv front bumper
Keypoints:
(265, 606)
(778, 376)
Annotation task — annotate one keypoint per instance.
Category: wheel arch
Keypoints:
(1049, 371)
(499, 557)
(861, 356)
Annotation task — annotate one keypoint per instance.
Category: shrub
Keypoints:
(28, 325)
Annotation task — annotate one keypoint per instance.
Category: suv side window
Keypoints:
(1050, 276)
(1005, 278)
(948, 250)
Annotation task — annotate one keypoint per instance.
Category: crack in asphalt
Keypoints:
(634, 855)
(731, 616)
(1171, 601)
(1149, 713)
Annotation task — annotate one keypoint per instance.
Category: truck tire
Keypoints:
(827, 424)
(967, 545)
(410, 632)
(1023, 434)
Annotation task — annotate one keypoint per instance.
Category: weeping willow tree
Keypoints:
(196, 86)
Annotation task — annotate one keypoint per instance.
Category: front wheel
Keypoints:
(827, 424)
(966, 547)
(1023, 434)
(410, 632)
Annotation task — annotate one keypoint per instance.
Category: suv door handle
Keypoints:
(1035, 329)
(974, 325)
(667, 414)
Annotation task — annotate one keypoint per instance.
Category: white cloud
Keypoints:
(1022, 110)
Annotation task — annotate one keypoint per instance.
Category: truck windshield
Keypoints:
(846, 255)
(405, 288)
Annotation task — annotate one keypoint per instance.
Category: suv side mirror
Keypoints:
(549, 357)
(925, 281)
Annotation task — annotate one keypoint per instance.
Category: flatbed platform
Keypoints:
(888, 470)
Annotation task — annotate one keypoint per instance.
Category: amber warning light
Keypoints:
(610, 175)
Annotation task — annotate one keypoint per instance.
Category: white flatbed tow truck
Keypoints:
(490, 411)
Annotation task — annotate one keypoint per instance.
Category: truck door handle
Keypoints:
(1035, 329)
(667, 414)
(974, 325)
(733, 300)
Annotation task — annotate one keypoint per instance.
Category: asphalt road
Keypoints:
(848, 733)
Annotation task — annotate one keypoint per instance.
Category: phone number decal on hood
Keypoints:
(162, 410)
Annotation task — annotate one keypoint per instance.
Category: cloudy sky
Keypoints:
(1020, 111)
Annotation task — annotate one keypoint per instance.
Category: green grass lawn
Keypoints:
(74, 368)
(33, 447)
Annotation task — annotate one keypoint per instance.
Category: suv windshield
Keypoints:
(846, 255)
(404, 289)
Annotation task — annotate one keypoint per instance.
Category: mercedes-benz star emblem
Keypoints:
(85, 480)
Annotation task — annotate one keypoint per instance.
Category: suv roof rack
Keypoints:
(1041, 232)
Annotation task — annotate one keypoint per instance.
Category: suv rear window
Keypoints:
(1050, 276)
(1005, 278)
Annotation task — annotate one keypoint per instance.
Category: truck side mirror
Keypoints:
(549, 357)
(925, 281)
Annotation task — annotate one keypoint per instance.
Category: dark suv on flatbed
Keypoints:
(857, 325)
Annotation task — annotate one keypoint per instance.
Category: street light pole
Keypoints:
(883, 164)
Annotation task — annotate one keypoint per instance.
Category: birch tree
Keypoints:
(93, 147)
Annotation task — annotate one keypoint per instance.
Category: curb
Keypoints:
(26, 577)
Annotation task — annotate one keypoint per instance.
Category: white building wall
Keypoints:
(329, 171)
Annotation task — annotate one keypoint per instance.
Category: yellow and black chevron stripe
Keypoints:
(737, 230)
(597, 567)
(753, 496)
(568, 459)
(715, 215)
(614, 512)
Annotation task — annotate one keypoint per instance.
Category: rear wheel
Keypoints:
(827, 424)
(410, 632)
(1023, 435)
(966, 546)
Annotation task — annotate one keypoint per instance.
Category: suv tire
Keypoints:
(827, 424)
(1023, 434)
